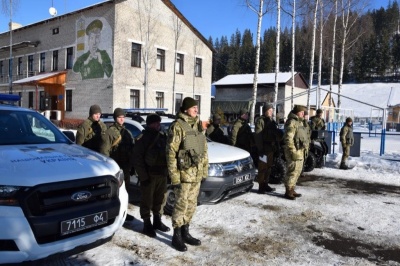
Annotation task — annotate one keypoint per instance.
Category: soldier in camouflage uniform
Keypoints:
(118, 144)
(187, 160)
(347, 140)
(89, 133)
(215, 132)
(317, 122)
(151, 166)
(295, 139)
(242, 137)
(267, 138)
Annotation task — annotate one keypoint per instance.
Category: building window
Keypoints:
(55, 31)
(178, 102)
(30, 99)
(20, 99)
(30, 65)
(197, 98)
(55, 60)
(160, 99)
(1, 69)
(70, 57)
(42, 62)
(179, 63)
(19, 67)
(41, 100)
(198, 67)
(160, 60)
(135, 98)
(136, 54)
(68, 100)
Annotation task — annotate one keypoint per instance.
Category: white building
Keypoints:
(121, 53)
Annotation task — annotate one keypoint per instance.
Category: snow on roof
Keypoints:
(381, 95)
(263, 78)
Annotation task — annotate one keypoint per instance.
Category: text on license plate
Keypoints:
(84, 222)
(241, 179)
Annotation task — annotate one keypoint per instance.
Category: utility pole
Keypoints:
(10, 70)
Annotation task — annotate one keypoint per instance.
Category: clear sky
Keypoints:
(214, 18)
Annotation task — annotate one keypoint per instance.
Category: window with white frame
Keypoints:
(136, 54)
(30, 65)
(197, 98)
(198, 67)
(179, 63)
(160, 99)
(160, 60)
(135, 99)
(55, 60)
(19, 67)
(69, 57)
(178, 102)
(42, 62)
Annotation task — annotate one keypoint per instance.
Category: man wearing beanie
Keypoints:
(151, 166)
(296, 142)
(89, 133)
(317, 122)
(267, 138)
(347, 140)
(118, 144)
(242, 137)
(215, 132)
(187, 161)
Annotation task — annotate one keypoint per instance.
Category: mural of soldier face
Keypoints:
(94, 41)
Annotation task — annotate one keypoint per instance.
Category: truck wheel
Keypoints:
(170, 202)
(310, 163)
(278, 171)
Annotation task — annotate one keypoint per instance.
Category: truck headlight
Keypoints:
(8, 195)
(215, 169)
(120, 177)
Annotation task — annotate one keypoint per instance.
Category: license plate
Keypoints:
(84, 222)
(241, 179)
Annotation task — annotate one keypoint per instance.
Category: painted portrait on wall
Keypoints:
(93, 49)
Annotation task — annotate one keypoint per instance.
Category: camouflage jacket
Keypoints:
(118, 144)
(267, 135)
(149, 153)
(295, 137)
(242, 137)
(89, 134)
(346, 135)
(176, 137)
(317, 123)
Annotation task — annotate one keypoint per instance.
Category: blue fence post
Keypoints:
(383, 136)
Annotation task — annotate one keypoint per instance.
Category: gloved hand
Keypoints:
(145, 183)
(178, 186)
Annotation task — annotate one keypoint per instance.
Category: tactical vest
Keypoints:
(192, 148)
(270, 130)
(122, 146)
(155, 154)
(349, 136)
(301, 137)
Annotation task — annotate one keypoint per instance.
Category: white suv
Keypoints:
(231, 170)
(56, 198)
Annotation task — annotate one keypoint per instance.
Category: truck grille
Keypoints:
(235, 167)
(46, 205)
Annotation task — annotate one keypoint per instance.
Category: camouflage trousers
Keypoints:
(294, 169)
(264, 169)
(153, 197)
(346, 153)
(185, 203)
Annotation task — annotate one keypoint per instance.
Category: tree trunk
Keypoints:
(277, 47)
(310, 83)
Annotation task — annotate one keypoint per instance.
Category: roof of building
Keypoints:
(262, 78)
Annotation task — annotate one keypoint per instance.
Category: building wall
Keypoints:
(120, 27)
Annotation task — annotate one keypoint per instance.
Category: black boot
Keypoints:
(343, 166)
(148, 228)
(158, 224)
(261, 188)
(187, 238)
(268, 188)
(177, 241)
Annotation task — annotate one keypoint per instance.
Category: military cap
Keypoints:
(94, 109)
(267, 106)
(299, 108)
(152, 118)
(187, 103)
(95, 25)
(118, 112)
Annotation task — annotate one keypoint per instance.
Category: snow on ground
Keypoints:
(343, 218)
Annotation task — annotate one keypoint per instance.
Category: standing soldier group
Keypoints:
(182, 155)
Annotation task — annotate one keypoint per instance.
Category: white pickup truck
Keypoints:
(56, 198)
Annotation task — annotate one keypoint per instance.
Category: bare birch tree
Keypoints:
(260, 13)
(332, 66)
(177, 30)
(310, 83)
(277, 53)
